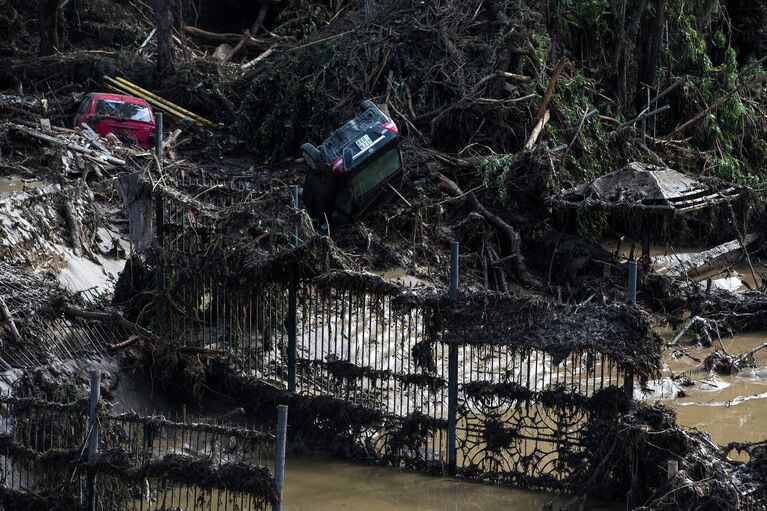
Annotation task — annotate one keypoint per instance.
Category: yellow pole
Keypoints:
(161, 107)
(147, 95)
(162, 104)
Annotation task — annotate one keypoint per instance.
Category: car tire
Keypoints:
(312, 156)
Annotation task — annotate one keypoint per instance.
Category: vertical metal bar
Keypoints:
(279, 462)
(632, 285)
(452, 396)
(93, 436)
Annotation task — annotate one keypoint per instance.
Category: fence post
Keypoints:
(160, 257)
(93, 437)
(628, 384)
(279, 462)
(296, 204)
(293, 307)
(632, 286)
(159, 228)
(158, 140)
(452, 373)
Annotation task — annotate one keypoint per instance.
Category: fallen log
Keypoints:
(515, 241)
(501, 74)
(133, 339)
(249, 42)
(702, 262)
(9, 319)
(251, 64)
(642, 117)
(537, 130)
(114, 317)
(543, 111)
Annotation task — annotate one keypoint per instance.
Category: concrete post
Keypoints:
(293, 305)
(632, 285)
(279, 462)
(93, 437)
(452, 374)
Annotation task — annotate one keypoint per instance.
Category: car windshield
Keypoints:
(123, 110)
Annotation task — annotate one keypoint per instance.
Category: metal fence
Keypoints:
(486, 409)
(48, 334)
(140, 463)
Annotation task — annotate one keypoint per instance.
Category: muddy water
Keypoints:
(320, 484)
(729, 408)
(12, 184)
(732, 277)
(401, 276)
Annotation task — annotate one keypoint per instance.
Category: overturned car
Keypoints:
(357, 168)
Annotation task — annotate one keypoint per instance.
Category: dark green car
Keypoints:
(358, 167)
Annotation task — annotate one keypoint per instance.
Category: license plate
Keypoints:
(364, 142)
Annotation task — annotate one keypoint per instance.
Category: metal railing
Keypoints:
(487, 409)
(63, 456)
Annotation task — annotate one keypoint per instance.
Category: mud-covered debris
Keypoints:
(620, 331)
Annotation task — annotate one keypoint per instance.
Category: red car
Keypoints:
(130, 119)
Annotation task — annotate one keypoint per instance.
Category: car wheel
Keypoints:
(311, 156)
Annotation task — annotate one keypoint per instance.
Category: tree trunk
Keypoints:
(625, 47)
(648, 66)
(48, 26)
(163, 19)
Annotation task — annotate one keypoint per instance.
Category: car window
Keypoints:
(85, 104)
(123, 110)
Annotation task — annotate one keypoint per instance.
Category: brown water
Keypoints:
(318, 483)
(729, 408)
(13, 184)
(314, 483)
(730, 277)
(401, 276)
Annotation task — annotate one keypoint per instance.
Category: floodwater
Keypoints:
(732, 277)
(13, 184)
(401, 276)
(316, 483)
(729, 408)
